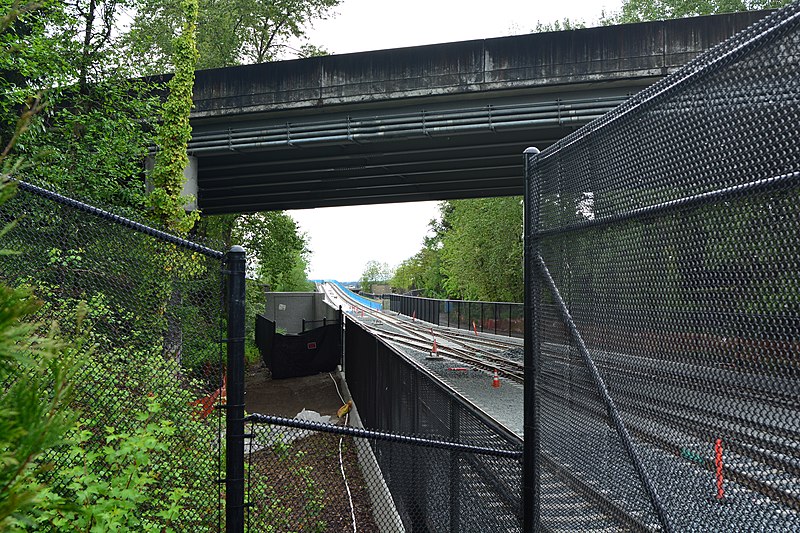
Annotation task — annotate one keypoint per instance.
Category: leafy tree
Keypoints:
(645, 10)
(91, 139)
(276, 249)
(230, 32)
(423, 271)
(375, 272)
(482, 252)
(407, 274)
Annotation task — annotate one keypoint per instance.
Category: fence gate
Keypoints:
(665, 236)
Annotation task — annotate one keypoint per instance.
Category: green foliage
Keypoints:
(255, 304)
(36, 373)
(230, 32)
(375, 272)
(422, 271)
(91, 138)
(276, 250)
(95, 148)
(482, 252)
(645, 10)
(174, 132)
(110, 482)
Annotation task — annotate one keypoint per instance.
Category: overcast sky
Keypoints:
(343, 239)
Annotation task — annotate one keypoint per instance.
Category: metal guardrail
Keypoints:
(499, 318)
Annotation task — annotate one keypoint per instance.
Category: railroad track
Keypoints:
(762, 453)
(475, 351)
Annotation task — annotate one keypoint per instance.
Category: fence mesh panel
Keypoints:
(153, 323)
(671, 231)
(305, 476)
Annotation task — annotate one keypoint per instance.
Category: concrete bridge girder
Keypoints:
(421, 123)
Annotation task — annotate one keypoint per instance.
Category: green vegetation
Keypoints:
(108, 339)
(645, 10)
(375, 272)
(229, 32)
(475, 253)
(174, 131)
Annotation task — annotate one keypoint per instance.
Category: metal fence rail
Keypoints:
(666, 238)
(433, 491)
(499, 318)
(154, 322)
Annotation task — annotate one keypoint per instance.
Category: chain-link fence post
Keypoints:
(234, 427)
(530, 452)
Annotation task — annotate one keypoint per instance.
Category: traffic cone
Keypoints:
(496, 380)
(434, 351)
(475, 328)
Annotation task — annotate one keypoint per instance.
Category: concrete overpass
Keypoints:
(431, 122)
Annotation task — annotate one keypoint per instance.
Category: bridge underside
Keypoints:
(410, 170)
(433, 122)
(352, 159)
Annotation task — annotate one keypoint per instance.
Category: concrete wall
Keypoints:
(288, 309)
(605, 54)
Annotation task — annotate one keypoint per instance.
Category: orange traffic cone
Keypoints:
(434, 351)
(496, 380)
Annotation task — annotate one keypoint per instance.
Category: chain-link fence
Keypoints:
(147, 309)
(308, 476)
(433, 490)
(666, 236)
(499, 318)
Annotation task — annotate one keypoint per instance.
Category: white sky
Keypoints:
(343, 239)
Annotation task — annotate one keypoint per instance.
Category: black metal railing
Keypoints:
(293, 464)
(442, 491)
(499, 318)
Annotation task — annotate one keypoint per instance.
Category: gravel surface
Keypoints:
(504, 404)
